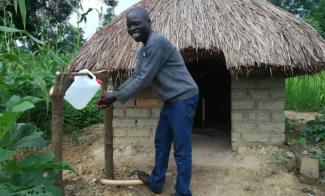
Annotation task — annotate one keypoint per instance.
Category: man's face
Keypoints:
(138, 27)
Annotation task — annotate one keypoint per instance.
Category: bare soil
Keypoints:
(216, 169)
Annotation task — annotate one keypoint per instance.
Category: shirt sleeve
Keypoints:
(152, 60)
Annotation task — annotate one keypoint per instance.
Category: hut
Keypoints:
(238, 51)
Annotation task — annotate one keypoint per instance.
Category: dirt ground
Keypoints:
(216, 169)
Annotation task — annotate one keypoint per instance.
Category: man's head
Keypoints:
(139, 24)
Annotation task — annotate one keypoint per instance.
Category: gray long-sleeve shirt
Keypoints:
(161, 66)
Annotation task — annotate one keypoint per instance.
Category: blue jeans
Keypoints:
(174, 126)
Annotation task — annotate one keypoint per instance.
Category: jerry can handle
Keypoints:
(86, 72)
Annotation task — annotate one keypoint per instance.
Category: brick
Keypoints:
(147, 102)
(264, 116)
(156, 112)
(118, 122)
(131, 112)
(238, 94)
(129, 103)
(147, 123)
(243, 127)
(237, 116)
(147, 94)
(243, 105)
(139, 132)
(259, 94)
(277, 138)
(277, 116)
(271, 105)
(119, 132)
(118, 112)
(256, 137)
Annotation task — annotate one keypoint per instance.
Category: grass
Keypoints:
(305, 93)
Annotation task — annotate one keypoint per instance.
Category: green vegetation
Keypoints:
(23, 171)
(35, 41)
(305, 93)
(309, 137)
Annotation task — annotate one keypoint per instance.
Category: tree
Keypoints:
(54, 12)
(312, 11)
(316, 17)
(300, 8)
(109, 15)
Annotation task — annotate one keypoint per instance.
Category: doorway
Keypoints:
(213, 114)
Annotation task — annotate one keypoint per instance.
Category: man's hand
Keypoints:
(106, 100)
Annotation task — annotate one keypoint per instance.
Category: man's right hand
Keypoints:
(106, 100)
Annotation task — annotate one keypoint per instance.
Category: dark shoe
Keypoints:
(144, 177)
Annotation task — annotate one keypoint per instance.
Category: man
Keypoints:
(161, 66)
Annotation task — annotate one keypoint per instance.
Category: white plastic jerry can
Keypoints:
(82, 90)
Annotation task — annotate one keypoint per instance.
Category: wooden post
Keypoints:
(108, 135)
(57, 124)
(57, 93)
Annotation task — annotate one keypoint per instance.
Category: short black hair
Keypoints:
(142, 11)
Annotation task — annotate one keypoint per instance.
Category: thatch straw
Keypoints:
(249, 33)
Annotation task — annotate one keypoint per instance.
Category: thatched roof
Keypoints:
(251, 34)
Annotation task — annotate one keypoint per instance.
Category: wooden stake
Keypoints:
(121, 182)
(57, 92)
(57, 124)
(108, 138)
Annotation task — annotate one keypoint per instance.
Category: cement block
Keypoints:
(277, 116)
(271, 105)
(277, 138)
(271, 127)
(139, 132)
(256, 137)
(119, 132)
(277, 93)
(252, 116)
(118, 122)
(238, 94)
(156, 112)
(244, 127)
(235, 137)
(237, 116)
(242, 105)
(151, 123)
(118, 112)
(264, 116)
(137, 112)
(309, 167)
(243, 83)
(259, 94)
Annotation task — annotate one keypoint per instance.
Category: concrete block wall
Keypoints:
(257, 114)
(135, 121)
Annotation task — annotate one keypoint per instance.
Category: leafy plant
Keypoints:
(25, 173)
(315, 131)
(319, 153)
